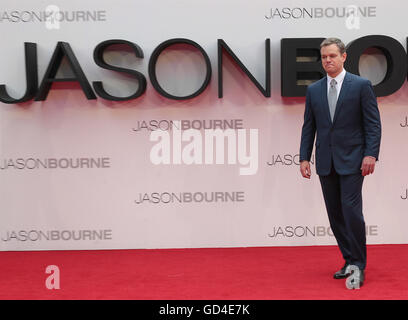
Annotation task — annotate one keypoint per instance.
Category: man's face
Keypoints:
(332, 60)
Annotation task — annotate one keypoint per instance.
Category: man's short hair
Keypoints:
(336, 41)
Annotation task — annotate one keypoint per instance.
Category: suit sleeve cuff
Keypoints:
(372, 157)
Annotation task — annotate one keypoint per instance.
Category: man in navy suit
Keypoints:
(341, 110)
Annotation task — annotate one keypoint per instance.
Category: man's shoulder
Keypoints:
(316, 84)
(356, 78)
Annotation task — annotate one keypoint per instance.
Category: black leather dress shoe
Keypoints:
(341, 274)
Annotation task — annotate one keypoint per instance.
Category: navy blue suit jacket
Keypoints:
(354, 133)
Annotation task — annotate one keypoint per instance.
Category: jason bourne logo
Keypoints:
(311, 231)
(287, 160)
(168, 125)
(213, 146)
(190, 197)
(320, 12)
(52, 14)
(56, 235)
(54, 163)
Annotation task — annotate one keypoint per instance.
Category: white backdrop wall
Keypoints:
(76, 173)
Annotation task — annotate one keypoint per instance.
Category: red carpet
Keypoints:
(196, 274)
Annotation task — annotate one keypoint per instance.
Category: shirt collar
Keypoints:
(339, 78)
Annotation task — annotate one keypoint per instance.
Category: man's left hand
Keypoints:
(367, 166)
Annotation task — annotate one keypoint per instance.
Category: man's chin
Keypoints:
(331, 71)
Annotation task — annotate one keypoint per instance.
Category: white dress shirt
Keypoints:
(339, 79)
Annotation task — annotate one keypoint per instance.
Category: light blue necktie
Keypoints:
(332, 98)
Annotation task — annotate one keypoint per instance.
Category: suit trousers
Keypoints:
(343, 198)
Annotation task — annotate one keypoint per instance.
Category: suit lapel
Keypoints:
(343, 93)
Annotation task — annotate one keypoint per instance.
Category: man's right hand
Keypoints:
(305, 169)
